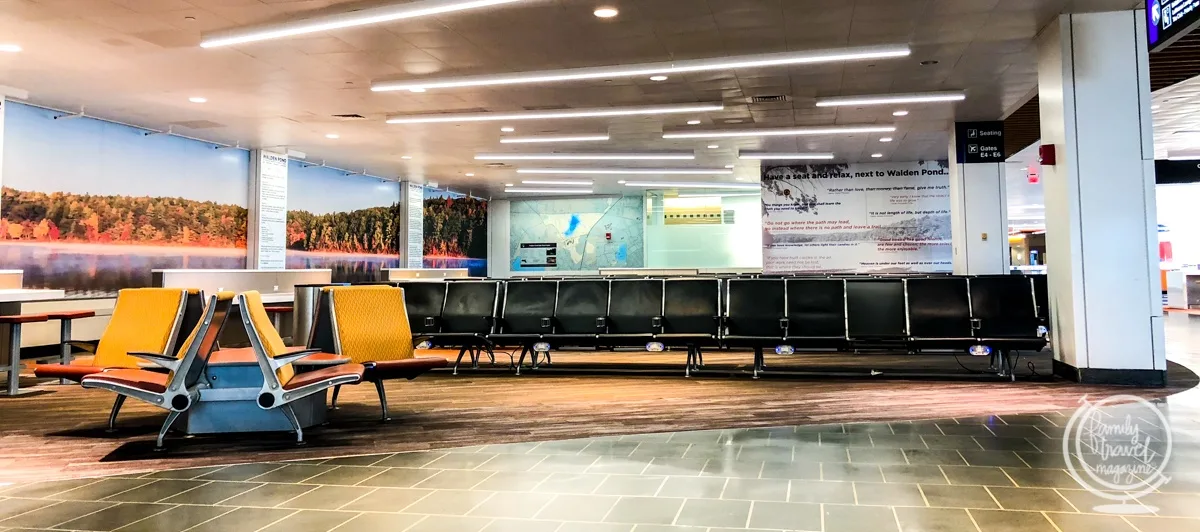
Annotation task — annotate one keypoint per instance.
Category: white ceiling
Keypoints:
(137, 61)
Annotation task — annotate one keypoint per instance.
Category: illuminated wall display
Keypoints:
(1170, 19)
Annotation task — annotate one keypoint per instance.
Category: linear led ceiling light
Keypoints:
(785, 156)
(668, 184)
(648, 69)
(627, 171)
(360, 17)
(888, 99)
(554, 138)
(560, 182)
(632, 156)
(555, 114)
(519, 190)
(778, 132)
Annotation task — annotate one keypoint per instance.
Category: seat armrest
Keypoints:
(430, 321)
(602, 322)
(292, 356)
(656, 322)
(545, 323)
(783, 323)
(165, 361)
(88, 346)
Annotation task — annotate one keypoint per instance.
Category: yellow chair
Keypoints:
(143, 320)
(369, 325)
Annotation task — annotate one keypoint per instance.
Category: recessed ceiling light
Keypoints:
(885, 139)
(649, 69)
(10, 48)
(554, 114)
(554, 138)
(606, 12)
(626, 171)
(693, 122)
(345, 19)
(406, 156)
(470, 174)
(630, 156)
(713, 146)
(739, 179)
(876, 155)
(417, 89)
(332, 136)
(621, 182)
(929, 62)
(734, 121)
(669, 184)
(785, 156)
(508, 184)
(658, 78)
(516, 190)
(900, 113)
(508, 129)
(563, 182)
(778, 132)
(729, 166)
(198, 99)
(885, 99)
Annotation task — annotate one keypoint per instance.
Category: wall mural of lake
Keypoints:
(91, 207)
(348, 223)
(455, 232)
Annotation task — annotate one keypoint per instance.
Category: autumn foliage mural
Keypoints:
(455, 232)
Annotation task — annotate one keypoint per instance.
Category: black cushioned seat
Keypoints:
(875, 311)
(816, 313)
(527, 312)
(755, 312)
(424, 302)
(581, 314)
(691, 312)
(634, 312)
(1006, 312)
(939, 313)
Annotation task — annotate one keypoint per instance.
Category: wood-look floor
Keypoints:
(59, 432)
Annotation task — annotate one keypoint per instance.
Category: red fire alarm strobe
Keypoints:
(1046, 155)
(1035, 176)
(608, 236)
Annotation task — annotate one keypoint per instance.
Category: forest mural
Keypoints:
(348, 223)
(455, 232)
(91, 207)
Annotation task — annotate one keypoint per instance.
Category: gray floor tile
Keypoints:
(212, 493)
(1005, 521)
(522, 525)
(310, 520)
(1174, 504)
(363, 460)
(53, 514)
(792, 470)
(934, 457)
(697, 436)
(512, 505)
(712, 451)
(457, 479)
(1041, 478)
(156, 491)
(578, 507)
(633, 485)
(1006, 444)
(1032, 499)
(510, 448)
(918, 427)
(897, 441)
(653, 437)
(977, 476)
(959, 497)
(609, 448)
(1163, 524)
(622, 465)
(840, 518)
(345, 475)
(847, 440)
(959, 443)
(182, 474)
(867, 428)
(100, 490)
(756, 489)
(766, 454)
(702, 487)
(851, 472)
(644, 510)
(115, 517)
(732, 468)
(785, 516)
(39, 490)
(379, 523)
(446, 523)
(1016, 431)
(511, 462)
(668, 528)
(13, 507)
(913, 474)
(460, 461)
(293, 473)
(1070, 522)
(661, 449)
(820, 453)
(570, 483)
(561, 446)
(327, 498)
(993, 458)
(399, 477)
(675, 466)
(876, 456)
(386, 500)
(707, 512)
(177, 519)
(565, 463)
(817, 491)
(449, 502)
(873, 494)
(934, 520)
(513, 481)
(595, 527)
(965, 430)
(243, 520)
(413, 459)
(269, 495)
(240, 472)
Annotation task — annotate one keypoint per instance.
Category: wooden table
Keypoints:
(230, 402)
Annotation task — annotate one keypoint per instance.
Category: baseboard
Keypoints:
(1144, 378)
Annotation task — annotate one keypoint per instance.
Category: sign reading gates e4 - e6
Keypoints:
(1169, 19)
(856, 218)
(979, 142)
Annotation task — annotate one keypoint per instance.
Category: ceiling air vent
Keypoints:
(545, 107)
(496, 165)
(769, 99)
(350, 117)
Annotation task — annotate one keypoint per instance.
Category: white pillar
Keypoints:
(1106, 308)
(978, 218)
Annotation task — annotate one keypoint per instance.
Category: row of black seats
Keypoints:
(910, 314)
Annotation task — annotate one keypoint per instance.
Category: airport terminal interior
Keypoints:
(599, 265)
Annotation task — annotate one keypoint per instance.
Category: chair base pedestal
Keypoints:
(212, 415)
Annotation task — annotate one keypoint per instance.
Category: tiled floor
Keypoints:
(992, 473)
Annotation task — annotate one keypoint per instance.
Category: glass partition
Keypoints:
(700, 229)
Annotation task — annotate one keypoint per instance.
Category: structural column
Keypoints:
(1106, 309)
(978, 221)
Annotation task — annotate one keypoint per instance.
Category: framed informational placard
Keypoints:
(415, 237)
(268, 239)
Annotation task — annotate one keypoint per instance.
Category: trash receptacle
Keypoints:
(304, 310)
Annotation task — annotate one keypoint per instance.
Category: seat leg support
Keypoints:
(162, 433)
(474, 358)
(64, 337)
(14, 359)
(687, 369)
(461, 352)
(548, 361)
(758, 360)
(382, 399)
(521, 361)
(333, 402)
(699, 358)
(291, 416)
(112, 416)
